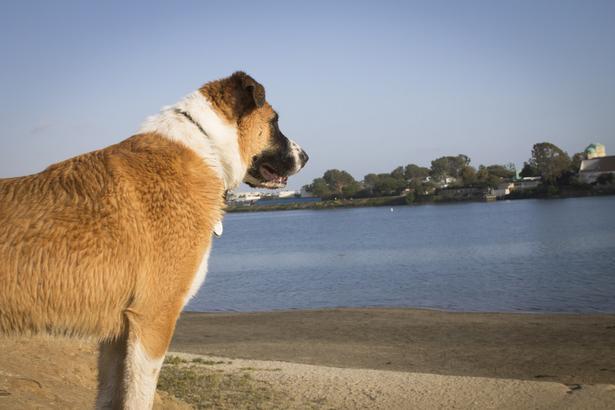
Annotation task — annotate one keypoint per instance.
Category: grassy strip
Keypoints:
(207, 388)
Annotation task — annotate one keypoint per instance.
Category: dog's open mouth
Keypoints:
(271, 176)
(267, 177)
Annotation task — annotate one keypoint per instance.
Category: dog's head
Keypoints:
(270, 157)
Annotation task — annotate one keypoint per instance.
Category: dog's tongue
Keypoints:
(272, 176)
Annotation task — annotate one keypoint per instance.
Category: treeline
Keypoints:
(547, 161)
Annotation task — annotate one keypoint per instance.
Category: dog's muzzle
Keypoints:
(272, 169)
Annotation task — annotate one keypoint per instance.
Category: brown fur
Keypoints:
(130, 222)
(241, 108)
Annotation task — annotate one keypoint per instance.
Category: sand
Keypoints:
(357, 358)
(340, 388)
(45, 372)
(564, 348)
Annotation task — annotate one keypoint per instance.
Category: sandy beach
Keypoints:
(345, 358)
(563, 348)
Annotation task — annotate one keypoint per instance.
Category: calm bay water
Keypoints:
(529, 255)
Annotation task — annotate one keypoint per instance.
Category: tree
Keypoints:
(501, 171)
(351, 189)
(449, 166)
(529, 171)
(485, 179)
(549, 160)
(336, 180)
(440, 167)
(413, 171)
(468, 176)
(334, 183)
(487, 176)
(383, 185)
(318, 188)
(369, 182)
(398, 173)
(388, 185)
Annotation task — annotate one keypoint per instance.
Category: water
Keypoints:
(526, 255)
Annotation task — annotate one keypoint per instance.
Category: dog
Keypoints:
(113, 243)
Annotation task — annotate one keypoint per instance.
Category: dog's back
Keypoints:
(69, 261)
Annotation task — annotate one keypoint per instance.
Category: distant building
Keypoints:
(252, 196)
(527, 183)
(287, 194)
(443, 182)
(593, 168)
(503, 189)
(244, 196)
(595, 150)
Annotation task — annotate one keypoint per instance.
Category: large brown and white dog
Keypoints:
(113, 243)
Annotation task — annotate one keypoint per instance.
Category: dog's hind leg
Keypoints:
(111, 357)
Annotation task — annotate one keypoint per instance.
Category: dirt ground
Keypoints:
(345, 358)
(53, 373)
(564, 348)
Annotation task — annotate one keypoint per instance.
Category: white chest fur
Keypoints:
(210, 136)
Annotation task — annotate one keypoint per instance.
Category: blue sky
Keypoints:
(361, 86)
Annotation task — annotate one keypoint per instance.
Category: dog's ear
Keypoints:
(255, 90)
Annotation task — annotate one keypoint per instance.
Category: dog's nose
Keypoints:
(303, 156)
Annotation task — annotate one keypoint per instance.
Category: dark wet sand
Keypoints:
(564, 348)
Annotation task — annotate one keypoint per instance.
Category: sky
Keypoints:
(362, 86)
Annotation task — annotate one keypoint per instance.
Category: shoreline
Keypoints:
(395, 201)
(427, 309)
(568, 348)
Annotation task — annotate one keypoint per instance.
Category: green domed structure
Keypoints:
(595, 151)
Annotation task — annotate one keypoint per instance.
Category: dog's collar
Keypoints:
(196, 124)
(218, 228)
(189, 117)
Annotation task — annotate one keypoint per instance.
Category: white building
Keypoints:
(503, 189)
(527, 183)
(591, 169)
(252, 196)
(244, 196)
(595, 150)
(287, 194)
